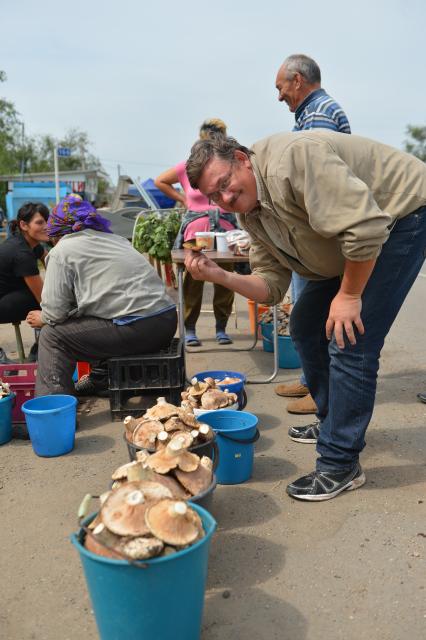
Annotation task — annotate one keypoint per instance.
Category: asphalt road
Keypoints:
(349, 569)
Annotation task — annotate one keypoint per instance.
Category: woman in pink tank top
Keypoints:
(200, 215)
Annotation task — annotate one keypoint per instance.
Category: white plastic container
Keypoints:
(205, 240)
(221, 242)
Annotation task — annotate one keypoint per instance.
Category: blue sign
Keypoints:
(64, 152)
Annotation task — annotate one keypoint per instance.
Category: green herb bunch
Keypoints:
(155, 235)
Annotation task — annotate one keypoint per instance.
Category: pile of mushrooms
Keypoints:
(206, 395)
(183, 474)
(140, 520)
(4, 389)
(145, 515)
(283, 312)
(162, 423)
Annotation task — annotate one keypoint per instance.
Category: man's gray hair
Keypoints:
(202, 151)
(306, 66)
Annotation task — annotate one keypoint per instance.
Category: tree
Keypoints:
(416, 143)
(10, 135)
(41, 148)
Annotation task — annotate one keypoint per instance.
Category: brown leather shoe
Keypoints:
(292, 389)
(302, 405)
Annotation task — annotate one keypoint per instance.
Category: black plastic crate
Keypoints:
(144, 399)
(150, 371)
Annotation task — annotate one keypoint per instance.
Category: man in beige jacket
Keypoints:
(349, 214)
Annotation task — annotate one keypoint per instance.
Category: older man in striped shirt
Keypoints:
(299, 85)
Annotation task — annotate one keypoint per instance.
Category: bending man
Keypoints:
(349, 214)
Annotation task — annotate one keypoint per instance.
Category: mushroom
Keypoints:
(187, 406)
(100, 536)
(146, 433)
(195, 481)
(167, 481)
(123, 512)
(197, 389)
(121, 472)
(210, 382)
(184, 438)
(141, 548)
(188, 418)
(131, 423)
(173, 522)
(229, 380)
(205, 432)
(162, 439)
(162, 410)
(214, 399)
(172, 456)
(174, 424)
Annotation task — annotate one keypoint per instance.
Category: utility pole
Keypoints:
(22, 151)
(55, 157)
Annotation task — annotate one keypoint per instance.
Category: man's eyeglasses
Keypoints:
(223, 186)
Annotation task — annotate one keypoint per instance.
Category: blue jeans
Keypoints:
(343, 381)
(298, 283)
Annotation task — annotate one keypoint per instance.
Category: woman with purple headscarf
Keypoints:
(101, 298)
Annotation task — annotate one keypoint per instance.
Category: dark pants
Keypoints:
(15, 306)
(343, 381)
(193, 297)
(93, 340)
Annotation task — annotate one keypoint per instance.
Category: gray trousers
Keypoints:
(92, 340)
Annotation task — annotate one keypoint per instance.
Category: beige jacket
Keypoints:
(324, 197)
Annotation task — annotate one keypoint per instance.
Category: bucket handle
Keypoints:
(215, 455)
(252, 440)
(243, 404)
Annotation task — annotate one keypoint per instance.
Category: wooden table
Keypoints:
(178, 257)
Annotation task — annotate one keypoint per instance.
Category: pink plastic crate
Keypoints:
(21, 378)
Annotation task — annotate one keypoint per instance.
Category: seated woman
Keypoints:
(101, 298)
(20, 281)
(200, 215)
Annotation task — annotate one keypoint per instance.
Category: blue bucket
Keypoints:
(266, 329)
(237, 387)
(132, 602)
(51, 424)
(288, 357)
(6, 418)
(236, 434)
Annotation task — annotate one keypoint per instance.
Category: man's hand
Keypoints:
(34, 319)
(345, 311)
(202, 268)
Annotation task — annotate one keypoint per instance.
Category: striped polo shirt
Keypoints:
(319, 110)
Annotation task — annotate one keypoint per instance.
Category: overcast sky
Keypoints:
(140, 77)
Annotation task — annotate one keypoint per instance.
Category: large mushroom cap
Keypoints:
(146, 433)
(123, 512)
(172, 456)
(195, 481)
(173, 522)
(214, 399)
(162, 410)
